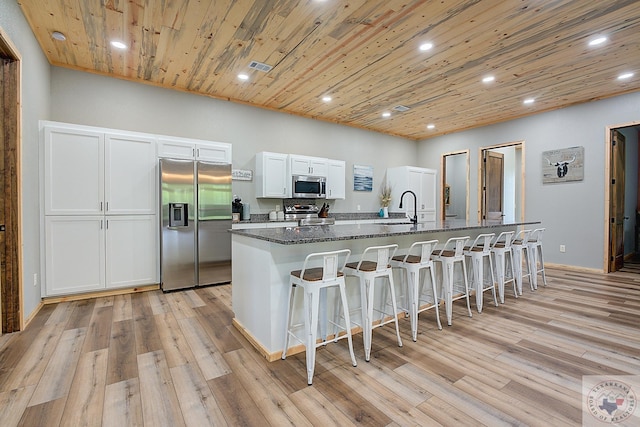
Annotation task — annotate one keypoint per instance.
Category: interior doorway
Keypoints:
(10, 244)
(454, 196)
(622, 198)
(501, 178)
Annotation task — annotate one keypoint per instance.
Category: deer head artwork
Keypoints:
(563, 166)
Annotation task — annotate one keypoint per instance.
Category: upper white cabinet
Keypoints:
(336, 175)
(274, 171)
(272, 175)
(420, 181)
(182, 148)
(74, 171)
(93, 173)
(130, 175)
(305, 165)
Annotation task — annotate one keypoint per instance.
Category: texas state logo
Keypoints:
(611, 401)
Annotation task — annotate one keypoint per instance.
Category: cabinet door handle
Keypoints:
(101, 225)
(107, 209)
(107, 221)
(100, 206)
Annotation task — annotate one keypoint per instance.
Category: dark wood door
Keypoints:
(616, 208)
(493, 185)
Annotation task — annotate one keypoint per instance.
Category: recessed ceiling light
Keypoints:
(326, 98)
(243, 76)
(597, 41)
(426, 46)
(118, 44)
(386, 114)
(528, 101)
(488, 79)
(625, 76)
(57, 35)
(431, 126)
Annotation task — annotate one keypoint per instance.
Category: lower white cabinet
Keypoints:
(130, 248)
(91, 253)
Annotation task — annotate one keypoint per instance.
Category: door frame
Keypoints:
(521, 145)
(11, 299)
(607, 191)
(443, 181)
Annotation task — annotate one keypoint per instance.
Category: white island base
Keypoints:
(261, 268)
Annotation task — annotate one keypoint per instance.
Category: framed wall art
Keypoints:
(563, 165)
(362, 178)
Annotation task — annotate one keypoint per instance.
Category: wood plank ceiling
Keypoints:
(363, 53)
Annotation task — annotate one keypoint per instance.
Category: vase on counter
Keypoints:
(385, 212)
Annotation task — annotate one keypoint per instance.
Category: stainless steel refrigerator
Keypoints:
(195, 201)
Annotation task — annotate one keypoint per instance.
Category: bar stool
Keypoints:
(452, 253)
(500, 249)
(521, 258)
(535, 252)
(480, 250)
(367, 271)
(421, 297)
(315, 281)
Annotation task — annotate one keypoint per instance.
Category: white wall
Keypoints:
(89, 99)
(35, 106)
(572, 212)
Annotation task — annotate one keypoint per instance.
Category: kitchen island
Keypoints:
(263, 259)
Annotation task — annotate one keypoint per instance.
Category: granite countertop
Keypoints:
(328, 233)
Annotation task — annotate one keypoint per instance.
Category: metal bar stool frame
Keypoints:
(417, 259)
(477, 252)
(520, 245)
(536, 256)
(449, 255)
(315, 281)
(501, 248)
(367, 271)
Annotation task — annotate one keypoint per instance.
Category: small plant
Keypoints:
(385, 194)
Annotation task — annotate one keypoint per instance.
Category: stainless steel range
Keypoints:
(304, 213)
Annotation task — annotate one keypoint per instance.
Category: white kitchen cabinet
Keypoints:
(73, 171)
(336, 176)
(74, 254)
(90, 253)
(89, 172)
(130, 248)
(306, 165)
(422, 182)
(183, 148)
(272, 175)
(130, 175)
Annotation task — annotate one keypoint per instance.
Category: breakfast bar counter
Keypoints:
(263, 258)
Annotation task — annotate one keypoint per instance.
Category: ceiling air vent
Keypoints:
(400, 108)
(260, 66)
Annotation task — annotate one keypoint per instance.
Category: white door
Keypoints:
(131, 250)
(74, 260)
(74, 181)
(336, 175)
(130, 175)
(300, 165)
(275, 175)
(214, 152)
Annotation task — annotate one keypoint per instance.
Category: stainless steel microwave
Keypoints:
(308, 187)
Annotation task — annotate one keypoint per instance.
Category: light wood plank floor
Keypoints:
(174, 359)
